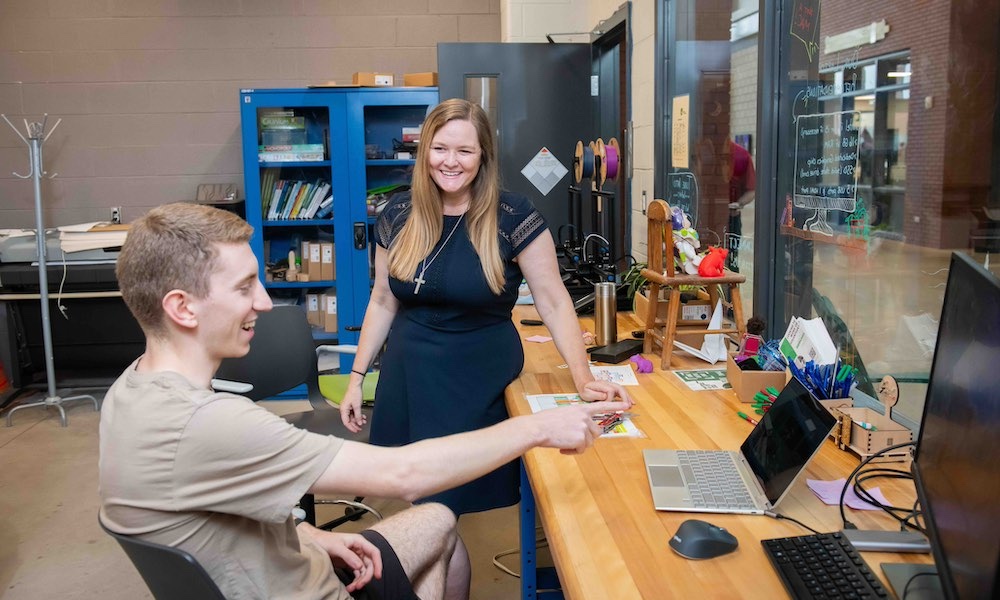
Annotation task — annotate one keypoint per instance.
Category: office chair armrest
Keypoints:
(235, 387)
(338, 349)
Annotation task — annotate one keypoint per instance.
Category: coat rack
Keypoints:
(36, 137)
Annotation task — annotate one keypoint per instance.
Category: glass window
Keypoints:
(708, 92)
(878, 140)
(885, 162)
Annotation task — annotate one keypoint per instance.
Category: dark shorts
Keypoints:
(394, 585)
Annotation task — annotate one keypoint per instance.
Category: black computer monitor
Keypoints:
(957, 461)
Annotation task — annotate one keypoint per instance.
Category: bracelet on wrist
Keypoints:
(358, 372)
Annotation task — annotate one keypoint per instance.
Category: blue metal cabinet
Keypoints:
(344, 137)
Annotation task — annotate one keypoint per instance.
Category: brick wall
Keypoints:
(743, 118)
(148, 89)
(952, 48)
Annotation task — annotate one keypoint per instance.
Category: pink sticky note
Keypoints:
(538, 339)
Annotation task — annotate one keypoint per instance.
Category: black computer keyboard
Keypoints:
(822, 566)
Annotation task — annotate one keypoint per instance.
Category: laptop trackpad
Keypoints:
(665, 476)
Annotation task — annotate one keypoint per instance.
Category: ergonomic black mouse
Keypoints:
(699, 539)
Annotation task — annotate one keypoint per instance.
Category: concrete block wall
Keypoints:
(148, 89)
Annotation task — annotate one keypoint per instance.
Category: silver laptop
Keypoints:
(755, 478)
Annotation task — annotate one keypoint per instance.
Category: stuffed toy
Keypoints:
(642, 365)
(685, 241)
(753, 339)
(711, 263)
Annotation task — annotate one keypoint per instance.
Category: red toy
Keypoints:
(711, 264)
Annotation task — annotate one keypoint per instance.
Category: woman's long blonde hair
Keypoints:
(424, 225)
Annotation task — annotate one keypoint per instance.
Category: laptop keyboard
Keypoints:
(822, 566)
(714, 481)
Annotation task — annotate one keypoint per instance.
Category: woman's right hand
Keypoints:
(350, 409)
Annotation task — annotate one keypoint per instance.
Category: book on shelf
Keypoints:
(325, 208)
(293, 199)
(295, 204)
(267, 182)
(281, 199)
(290, 153)
(282, 137)
(317, 199)
(281, 120)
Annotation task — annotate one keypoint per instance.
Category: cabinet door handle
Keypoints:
(360, 236)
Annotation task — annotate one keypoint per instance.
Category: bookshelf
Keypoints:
(310, 156)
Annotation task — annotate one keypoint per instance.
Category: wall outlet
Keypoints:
(116, 215)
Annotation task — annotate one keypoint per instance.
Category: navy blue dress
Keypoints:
(452, 348)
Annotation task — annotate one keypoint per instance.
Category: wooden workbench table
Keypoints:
(606, 539)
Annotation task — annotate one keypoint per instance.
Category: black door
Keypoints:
(538, 96)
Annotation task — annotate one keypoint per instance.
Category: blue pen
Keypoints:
(815, 378)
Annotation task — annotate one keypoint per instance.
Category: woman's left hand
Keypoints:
(600, 391)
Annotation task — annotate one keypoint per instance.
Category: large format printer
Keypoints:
(94, 337)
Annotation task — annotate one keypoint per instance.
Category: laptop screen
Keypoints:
(786, 438)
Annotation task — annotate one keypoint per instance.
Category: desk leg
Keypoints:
(531, 576)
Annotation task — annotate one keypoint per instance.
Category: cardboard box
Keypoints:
(371, 79)
(428, 79)
(330, 319)
(312, 309)
(327, 271)
(748, 383)
(315, 262)
(304, 257)
(641, 304)
(411, 134)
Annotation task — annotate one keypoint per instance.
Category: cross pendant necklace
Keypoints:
(425, 264)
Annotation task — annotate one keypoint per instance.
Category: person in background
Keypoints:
(449, 258)
(742, 185)
(218, 476)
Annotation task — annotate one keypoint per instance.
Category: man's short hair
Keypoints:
(172, 247)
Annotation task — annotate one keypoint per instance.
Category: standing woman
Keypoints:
(450, 256)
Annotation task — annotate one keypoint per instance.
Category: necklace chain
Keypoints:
(425, 264)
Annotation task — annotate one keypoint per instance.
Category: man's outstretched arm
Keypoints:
(423, 468)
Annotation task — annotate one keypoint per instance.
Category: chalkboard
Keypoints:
(826, 161)
(683, 188)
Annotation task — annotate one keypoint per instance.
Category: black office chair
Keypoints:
(283, 356)
(170, 573)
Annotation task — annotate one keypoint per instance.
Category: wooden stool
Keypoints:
(661, 272)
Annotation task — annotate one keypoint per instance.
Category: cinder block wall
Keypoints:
(148, 89)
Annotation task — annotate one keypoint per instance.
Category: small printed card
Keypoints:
(704, 379)
(621, 374)
(540, 402)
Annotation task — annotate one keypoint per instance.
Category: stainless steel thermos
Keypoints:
(605, 313)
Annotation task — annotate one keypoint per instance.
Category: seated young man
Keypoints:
(218, 476)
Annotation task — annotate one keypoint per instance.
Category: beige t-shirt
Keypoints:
(216, 475)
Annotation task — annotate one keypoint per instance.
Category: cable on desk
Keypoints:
(843, 492)
(540, 542)
(901, 514)
(906, 588)
(780, 517)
